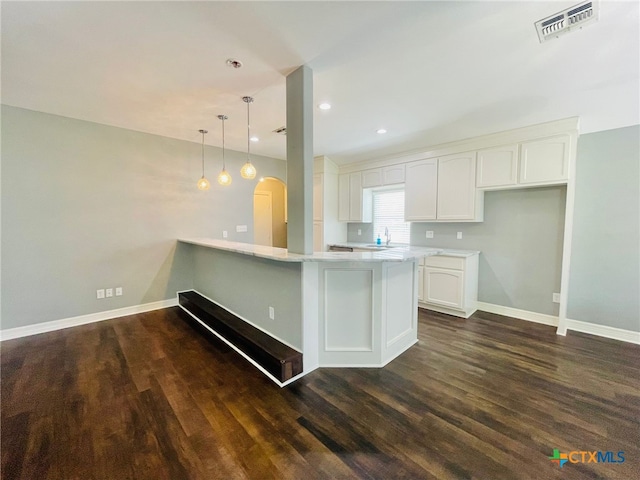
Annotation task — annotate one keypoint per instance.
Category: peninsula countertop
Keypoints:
(396, 254)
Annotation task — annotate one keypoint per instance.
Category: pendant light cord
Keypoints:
(202, 131)
(248, 132)
(223, 164)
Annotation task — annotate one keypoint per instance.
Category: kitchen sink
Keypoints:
(380, 246)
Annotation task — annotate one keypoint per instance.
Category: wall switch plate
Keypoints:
(459, 236)
(241, 228)
(225, 234)
(272, 313)
(359, 231)
(118, 291)
(429, 233)
(100, 293)
(109, 292)
(556, 298)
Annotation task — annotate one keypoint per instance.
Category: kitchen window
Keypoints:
(388, 212)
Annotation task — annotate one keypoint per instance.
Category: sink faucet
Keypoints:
(387, 235)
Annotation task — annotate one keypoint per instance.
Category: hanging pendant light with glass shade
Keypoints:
(203, 183)
(248, 171)
(224, 178)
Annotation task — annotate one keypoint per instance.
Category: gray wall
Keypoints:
(521, 244)
(248, 286)
(605, 261)
(87, 206)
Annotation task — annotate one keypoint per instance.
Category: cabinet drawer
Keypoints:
(455, 263)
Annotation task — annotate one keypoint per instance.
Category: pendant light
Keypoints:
(248, 171)
(224, 178)
(203, 183)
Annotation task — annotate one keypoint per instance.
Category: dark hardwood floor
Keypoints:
(146, 397)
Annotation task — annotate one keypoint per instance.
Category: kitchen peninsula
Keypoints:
(340, 309)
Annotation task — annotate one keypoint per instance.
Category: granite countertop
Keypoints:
(402, 254)
(449, 252)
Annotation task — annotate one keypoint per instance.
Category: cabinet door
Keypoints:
(444, 287)
(457, 187)
(497, 167)
(393, 174)
(421, 190)
(355, 197)
(318, 240)
(343, 198)
(545, 161)
(420, 284)
(372, 178)
(317, 197)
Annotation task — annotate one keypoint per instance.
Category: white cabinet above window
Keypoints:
(379, 177)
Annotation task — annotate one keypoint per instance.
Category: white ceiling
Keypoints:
(428, 72)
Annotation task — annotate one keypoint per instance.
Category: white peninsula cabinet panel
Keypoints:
(497, 167)
(457, 195)
(450, 284)
(421, 190)
(545, 161)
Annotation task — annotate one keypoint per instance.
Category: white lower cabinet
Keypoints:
(449, 284)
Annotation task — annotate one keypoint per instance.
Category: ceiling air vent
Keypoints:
(281, 131)
(567, 20)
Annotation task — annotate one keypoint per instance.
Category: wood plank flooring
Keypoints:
(147, 397)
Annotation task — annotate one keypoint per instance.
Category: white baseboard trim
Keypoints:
(604, 331)
(575, 325)
(519, 314)
(11, 333)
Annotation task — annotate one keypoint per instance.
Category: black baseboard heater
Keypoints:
(280, 360)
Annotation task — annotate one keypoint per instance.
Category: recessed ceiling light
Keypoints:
(254, 139)
(381, 131)
(324, 106)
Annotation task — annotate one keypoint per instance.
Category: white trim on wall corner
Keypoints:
(519, 314)
(604, 331)
(11, 333)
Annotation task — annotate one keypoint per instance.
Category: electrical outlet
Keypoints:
(459, 236)
(225, 234)
(556, 298)
(109, 292)
(241, 228)
(429, 233)
(100, 293)
(272, 313)
(359, 231)
(118, 291)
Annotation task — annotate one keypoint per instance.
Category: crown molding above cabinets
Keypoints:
(567, 126)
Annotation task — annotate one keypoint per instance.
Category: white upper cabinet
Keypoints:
(545, 161)
(378, 177)
(354, 203)
(497, 167)
(393, 175)
(343, 198)
(372, 178)
(457, 187)
(421, 190)
(317, 197)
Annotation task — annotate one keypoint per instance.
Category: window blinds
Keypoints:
(388, 212)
